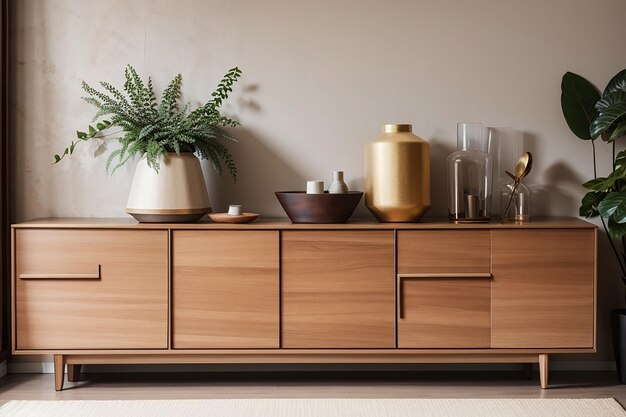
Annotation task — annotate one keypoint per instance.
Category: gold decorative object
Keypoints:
(516, 194)
(397, 175)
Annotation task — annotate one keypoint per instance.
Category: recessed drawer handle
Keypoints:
(449, 275)
(401, 277)
(62, 276)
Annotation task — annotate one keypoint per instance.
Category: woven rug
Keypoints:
(604, 407)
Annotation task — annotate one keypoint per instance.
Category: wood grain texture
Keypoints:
(125, 309)
(225, 289)
(543, 288)
(338, 289)
(543, 370)
(285, 224)
(444, 313)
(318, 352)
(59, 372)
(443, 251)
(244, 357)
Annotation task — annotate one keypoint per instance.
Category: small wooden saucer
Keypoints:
(229, 218)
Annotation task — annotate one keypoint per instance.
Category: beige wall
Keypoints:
(320, 78)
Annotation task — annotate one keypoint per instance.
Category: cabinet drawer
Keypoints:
(443, 251)
(444, 312)
(91, 289)
(225, 289)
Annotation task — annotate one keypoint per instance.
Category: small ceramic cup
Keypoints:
(235, 210)
(315, 187)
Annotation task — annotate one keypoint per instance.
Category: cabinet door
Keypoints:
(543, 288)
(444, 289)
(91, 289)
(338, 289)
(443, 251)
(225, 289)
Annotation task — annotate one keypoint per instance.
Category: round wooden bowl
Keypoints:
(318, 208)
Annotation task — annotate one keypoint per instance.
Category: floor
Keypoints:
(312, 384)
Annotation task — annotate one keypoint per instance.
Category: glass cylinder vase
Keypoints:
(469, 176)
(515, 202)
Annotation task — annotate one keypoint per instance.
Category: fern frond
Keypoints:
(152, 129)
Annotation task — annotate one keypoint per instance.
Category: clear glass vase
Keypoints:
(515, 202)
(470, 176)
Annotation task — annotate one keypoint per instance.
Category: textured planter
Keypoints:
(397, 175)
(177, 193)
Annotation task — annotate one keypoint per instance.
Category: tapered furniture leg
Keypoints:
(73, 373)
(59, 372)
(543, 370)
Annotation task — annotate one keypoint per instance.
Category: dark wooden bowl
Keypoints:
(318, 208)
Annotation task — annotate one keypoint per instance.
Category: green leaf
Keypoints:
(619, 131)
(613, 98)
(613, 205)
(589, 204)
(578, 99)
(81, 135)
(616, 230)
(103, 125)
(617, 83)
(597, 184)
(606, 119)
(92, 131)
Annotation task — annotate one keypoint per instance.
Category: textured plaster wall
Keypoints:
(320, 78)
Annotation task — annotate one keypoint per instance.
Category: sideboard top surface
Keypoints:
(285, 224)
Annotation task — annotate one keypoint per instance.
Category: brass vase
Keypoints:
(397, 175)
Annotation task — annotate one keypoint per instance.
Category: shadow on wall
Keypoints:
(550, 195)
(440, 148)
(260, 173)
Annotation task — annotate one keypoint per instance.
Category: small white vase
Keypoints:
(177, 193)
(338, 186)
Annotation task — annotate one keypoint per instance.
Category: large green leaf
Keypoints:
(620, 130)
(578, 99)
(617, 83)
(589, 203)
(614, 206)
(606, 119)
(616, 230)
(610, 99)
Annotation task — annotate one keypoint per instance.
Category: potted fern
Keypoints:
(591, 115)
(168, 185)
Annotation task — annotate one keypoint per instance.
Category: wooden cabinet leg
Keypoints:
(543, 370)
(73, 373)
(59, 372)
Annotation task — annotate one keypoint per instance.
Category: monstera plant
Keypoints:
(592, 116)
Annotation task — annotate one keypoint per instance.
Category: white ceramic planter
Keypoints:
(177, 193)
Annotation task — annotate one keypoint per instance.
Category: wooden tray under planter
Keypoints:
(319, 208)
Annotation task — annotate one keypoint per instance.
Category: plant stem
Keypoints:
(515, 185)
(104, 135)
(619, 261)
(593, 147)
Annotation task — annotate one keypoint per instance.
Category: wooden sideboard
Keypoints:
(96, 291)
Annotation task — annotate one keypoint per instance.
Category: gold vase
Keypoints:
(397, 175)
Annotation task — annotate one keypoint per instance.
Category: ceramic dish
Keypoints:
(229, 218)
